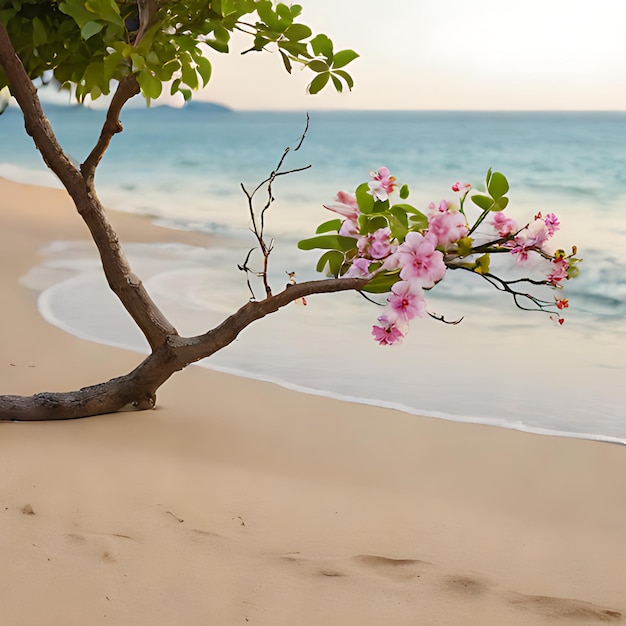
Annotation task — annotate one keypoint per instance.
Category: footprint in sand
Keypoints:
(459, 584)
(564, 608)
(389, 567)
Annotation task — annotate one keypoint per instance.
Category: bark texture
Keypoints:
(169, 351)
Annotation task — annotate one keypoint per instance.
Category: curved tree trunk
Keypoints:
(169, 351)
(138, 388)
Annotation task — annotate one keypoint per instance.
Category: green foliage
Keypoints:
(496, 200)
(331, 225)
(87, 44)
(328, 242)
(364, 199)
(334, 259)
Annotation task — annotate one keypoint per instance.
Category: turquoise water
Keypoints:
(184, 169)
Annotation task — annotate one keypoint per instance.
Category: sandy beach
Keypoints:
(240, 502)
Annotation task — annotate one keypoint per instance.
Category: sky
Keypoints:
(448, 54)
(444, 55)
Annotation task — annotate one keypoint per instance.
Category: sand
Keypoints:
(240, 502)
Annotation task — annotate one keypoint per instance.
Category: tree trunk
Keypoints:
(169, 351)
(138, 388)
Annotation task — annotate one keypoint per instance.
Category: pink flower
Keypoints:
(559, 271)
(443, 206)
(552, 223)
(448, 226)
(349, 228)
(346, 206)
(360, 267)
(503, 224)
(461, 186)
(406, 302)
(561, 303)
(530, 238)
(420, 261)
(376, 245)
(389, 332)
(382, 184)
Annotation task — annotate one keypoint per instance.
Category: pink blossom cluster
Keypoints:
(420, 257)
(533, 237)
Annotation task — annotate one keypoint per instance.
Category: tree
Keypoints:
(142, 45)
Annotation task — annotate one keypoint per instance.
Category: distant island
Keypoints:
(206, 107)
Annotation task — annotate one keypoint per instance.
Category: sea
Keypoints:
(187, 168)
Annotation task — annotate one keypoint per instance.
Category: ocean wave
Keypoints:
(501, 366)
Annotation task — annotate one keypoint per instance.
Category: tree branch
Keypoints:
(505, 286)
(126, 285)
(35, 122)
(138, 388)
(126, 89)
(200, 347)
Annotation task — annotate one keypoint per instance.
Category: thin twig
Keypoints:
(505, 286)
(440, 318)
(258, 220)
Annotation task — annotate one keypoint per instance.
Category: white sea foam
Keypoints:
(500, 364)
(528, 375)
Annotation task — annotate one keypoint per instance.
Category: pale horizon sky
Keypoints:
(443, 55)
(448, 54)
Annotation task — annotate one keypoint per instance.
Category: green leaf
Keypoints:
(39, 32)
(96, 10)
(346, 77)
(497, 185)
(175, 86)
(90, 29)
(151, 86)
(318, 83)
(111, 63)
(482, 264)
(139, 63)
(295, 48)
(483, 202)
(400, 214)
(418, 221)
(465, 246)
(331, 225)
(404, 192)
(380, 206)
(265, 12)
(399, 227)
(374, 223)
(328, 242)
(204, 69)
(334, 259)
(284, 12)
(322, 46)
(318, 66)
(500, 204)
(364, 198)
(219, 46)
(343, 57)
(190, 78)
(298, 32)
(286, 61)
(382, 283)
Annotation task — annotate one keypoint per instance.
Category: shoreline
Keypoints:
(237, 500)
(167, 236)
